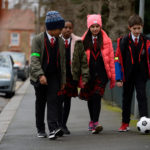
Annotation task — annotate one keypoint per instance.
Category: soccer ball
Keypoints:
(143, 125)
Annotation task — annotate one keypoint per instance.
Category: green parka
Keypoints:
(79, 63)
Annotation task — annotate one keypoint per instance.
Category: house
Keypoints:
(17, 28)
(0, 7)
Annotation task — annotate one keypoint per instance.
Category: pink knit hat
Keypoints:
(94, 19)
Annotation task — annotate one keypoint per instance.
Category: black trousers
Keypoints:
(40, 104)
(64, 109)
(128, 89)
(94, 107)
(47, 94)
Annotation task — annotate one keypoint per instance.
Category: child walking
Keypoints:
(132, 63)
(48, 74)
(100, 56)
(70, 89)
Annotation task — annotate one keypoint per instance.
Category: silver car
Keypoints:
(8, 75)
(20, 64)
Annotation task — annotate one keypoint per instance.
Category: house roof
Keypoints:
(17, 19)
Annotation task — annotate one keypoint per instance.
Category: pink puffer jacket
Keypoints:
(108, 57)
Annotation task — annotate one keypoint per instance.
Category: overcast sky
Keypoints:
(12, 2)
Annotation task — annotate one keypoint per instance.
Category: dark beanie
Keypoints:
(53, 20)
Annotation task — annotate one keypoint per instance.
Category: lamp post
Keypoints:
(141, 9)
(141, 14)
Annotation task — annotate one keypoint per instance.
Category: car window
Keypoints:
(4, 62)
(18, 58)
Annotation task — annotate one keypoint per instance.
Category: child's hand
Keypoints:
(43, 80)
(119, 83)
(112, 84)
(63, 86)
(84, 84)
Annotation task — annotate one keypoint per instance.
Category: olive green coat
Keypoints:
(37, 51)
(79, 63)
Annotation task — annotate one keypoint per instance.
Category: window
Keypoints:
(14, 39)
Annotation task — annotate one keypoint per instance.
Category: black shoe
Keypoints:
(41, 134)
(59, 132)
(52, 135)
(65, 130)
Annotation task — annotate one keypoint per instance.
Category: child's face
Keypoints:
(136, 30)
(95, 29)
(55, 32)
(67, 30)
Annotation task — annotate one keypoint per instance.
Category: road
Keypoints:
(21, 133)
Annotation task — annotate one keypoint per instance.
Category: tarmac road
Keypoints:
(21, 134)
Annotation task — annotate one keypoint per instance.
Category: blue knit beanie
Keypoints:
(53, 20)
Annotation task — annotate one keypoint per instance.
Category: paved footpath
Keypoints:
(21, 133)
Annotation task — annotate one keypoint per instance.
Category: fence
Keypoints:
(114, 96)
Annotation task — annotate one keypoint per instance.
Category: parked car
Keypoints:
(20, 63)
(8, 75)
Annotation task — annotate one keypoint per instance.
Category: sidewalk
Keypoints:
(3, 100)
(21, 133)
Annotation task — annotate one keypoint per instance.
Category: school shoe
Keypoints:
(124, 127)
(55, 133)
(59, 132)
(41, 134)
(52, 135)
(96, 128)
(65, 130)
(91, 125)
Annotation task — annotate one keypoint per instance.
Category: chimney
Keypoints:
(6, 4)
(0, 4)
(0, 8)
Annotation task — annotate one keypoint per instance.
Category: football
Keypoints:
(143, 125)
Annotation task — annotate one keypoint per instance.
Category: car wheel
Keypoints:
(10, 94)
(23, 79)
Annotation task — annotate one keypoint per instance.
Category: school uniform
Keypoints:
(52, 73)
(101, 69)
(71, 86)
(132, 67)
(48, 59)
(70, 89)
(94, 90)
(48, 93)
